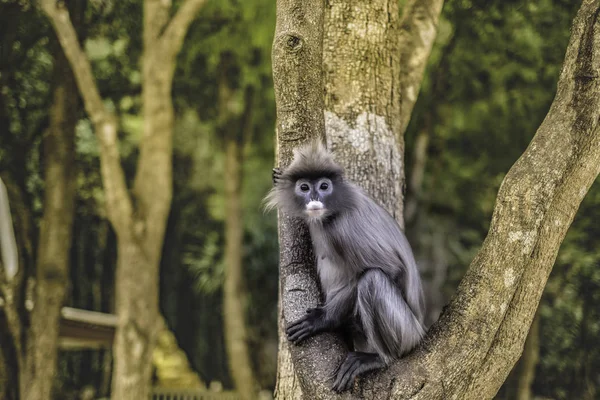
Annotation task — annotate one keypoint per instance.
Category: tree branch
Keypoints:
(418, 30)
(156, 16)
(474, 345)
(172, 38)
(105, 122)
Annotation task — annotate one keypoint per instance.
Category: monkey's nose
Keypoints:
(314, 205)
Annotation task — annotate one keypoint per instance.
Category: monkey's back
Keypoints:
(366, 236)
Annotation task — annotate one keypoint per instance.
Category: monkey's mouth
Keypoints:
(315, 209)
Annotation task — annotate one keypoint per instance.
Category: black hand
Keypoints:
(276, 175)
(313, 322)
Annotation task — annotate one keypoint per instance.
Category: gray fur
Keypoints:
(366, 267)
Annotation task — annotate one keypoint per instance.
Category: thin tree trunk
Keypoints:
(236, 335)
(415, 183)
(235, 129)
(55, 236)
(13, 315)
(9, 346)
(418, 30)
(469, 352)
(10, 325)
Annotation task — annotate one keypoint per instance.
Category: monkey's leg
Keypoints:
(386, 318)
(355, 364)
(390, 327)
(333, 314)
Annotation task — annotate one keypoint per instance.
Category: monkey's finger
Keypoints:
(304, 332)
(300, 337)
(340, 376)
(295, 329)
(276, 174)
(296, 324)
(346, 375)
(300, 334)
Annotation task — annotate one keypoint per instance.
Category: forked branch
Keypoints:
(104, 122)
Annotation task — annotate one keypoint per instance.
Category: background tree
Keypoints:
(139, 218)
(31, 341)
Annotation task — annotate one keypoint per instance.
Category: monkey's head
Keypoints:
(312, 187)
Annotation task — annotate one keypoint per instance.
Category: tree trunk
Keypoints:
(55, 236)
(234, 294)
(139, 218)
(13, 315)
(10, 361)
(469, 352)
(297, 77)
(361, 60)
(235, 129)
(136, 333)
(374, 64)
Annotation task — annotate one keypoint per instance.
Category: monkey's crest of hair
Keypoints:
(311, 161)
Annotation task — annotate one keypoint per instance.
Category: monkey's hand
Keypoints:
(312, 323)
(277, 172)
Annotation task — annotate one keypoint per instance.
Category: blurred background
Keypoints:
(489, 83)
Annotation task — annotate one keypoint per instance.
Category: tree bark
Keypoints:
(297, 76)
(361, 60)
(55, 236)
(374, 64)
(139, 218)
(469, 352)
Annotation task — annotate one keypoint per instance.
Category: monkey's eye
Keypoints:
(324, 186)
(304, 187)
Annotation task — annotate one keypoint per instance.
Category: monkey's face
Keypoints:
(313, 196)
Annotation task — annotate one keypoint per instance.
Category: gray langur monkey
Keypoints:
(368, 273)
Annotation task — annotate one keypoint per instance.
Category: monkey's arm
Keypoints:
(331, 316)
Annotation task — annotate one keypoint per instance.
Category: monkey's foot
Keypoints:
(355, 364)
